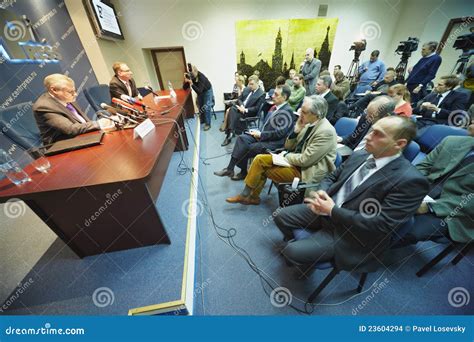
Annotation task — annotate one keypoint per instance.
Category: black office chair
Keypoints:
(254, 121)
(461, 248)
(19, 124)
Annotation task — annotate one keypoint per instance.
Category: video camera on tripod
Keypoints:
(465, 43)
(353, 74)
(405, 48)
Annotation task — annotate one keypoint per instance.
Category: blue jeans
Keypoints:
(206, 103)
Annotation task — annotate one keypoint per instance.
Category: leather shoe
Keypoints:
(207, 127)
(243, 200)
(224, 172)
(238, 176)
(226, 141)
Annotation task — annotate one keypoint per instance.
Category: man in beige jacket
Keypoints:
(310, 153)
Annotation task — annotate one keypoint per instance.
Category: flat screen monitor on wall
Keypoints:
(104, 19)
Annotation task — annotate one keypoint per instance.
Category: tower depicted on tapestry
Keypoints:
(291, 38)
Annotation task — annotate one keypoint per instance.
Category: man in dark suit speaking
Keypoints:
(122, 82)
(359, 206)
(278, 124)
(57, 114)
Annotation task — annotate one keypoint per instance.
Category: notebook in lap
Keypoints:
(76, 143)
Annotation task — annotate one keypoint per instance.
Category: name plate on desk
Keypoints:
(143, 129)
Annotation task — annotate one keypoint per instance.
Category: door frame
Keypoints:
(155, 61)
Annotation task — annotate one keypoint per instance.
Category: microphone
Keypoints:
(105, 114)
(113, 110)
(132, 101)
(116, 112)
(151, 90)
(125, 105)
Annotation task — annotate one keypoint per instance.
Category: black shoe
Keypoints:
(226, 141)
(238, 176)
(224, 172)
(207, 127)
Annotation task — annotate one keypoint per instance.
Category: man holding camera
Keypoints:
(423, 72)
(203, 88)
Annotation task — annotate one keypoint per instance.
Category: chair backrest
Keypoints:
(345, 126)
(411, 151)
(338, 160)
(143, 91)
(97, 95)
(19, 124)
(435, 134)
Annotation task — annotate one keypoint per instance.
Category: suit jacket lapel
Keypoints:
(354, 162)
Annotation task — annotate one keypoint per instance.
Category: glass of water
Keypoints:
(12, 170)
(40, 161)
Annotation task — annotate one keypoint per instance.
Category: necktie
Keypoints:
(129, 89)
(248, 97)
(438, 99)
(354, 181)
(74, 112)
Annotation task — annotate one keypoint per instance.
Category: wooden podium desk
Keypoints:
(102, 198)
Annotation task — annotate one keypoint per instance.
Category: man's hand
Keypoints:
(339, 139)
(417, 90)
(300, 123)
(320, 203)
(374, 83)
(255, 134)
(429, 106)
(187, 79)
(241, 108)
(106, 125)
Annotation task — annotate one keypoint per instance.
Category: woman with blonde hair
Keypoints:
(400, 94)
(236, 92)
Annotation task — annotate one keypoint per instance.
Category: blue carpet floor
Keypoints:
(228, 286)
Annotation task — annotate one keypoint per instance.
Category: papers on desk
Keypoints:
(428, 199)
(143, 129)
(279, 160)
(163, 97)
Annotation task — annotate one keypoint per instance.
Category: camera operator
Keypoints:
(423, 72)
(203, 88)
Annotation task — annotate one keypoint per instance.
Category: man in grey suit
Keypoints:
(57, 114)
(278, 124)
(310, 70)
(360, 206)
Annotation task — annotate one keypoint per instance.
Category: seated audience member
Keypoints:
(336, 68)
(289, 81)
(275, 129)
(298, 92)
(436, 107)
(268, 103)
(57, 114)
(324, 71)
(423, 72)
(449, 169)
(377, 109)
(122, 82)
(370, 73)
(310, 70)
(310, 150)
(247, 106)
(344, 229)
(342, 83)
(323, 88)
(400, 94)
(389, 79)
(341, 109)
(239, 86)
(260, 82)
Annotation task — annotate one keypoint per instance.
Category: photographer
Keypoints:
(203, 89)
(423, 72)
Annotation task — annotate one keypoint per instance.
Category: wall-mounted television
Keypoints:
(104, 19)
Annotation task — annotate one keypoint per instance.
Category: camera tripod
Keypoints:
(353, 72)
(402, 67)
(460, 67)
